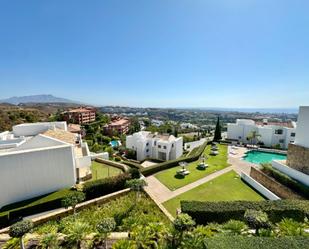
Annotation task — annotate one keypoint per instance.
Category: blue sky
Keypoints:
(181, 53)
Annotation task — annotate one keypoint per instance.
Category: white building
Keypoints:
(40, 158)
(154, 145)
(271, 134)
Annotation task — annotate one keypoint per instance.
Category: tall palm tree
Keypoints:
(254, 137)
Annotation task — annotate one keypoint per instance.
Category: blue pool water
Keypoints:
(258, 157)
(114, 143)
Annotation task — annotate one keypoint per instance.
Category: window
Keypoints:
(147, 144)
(164, 147)
(172, 145)
(239, 137)
(159, 146)
(281, 141)
(155, 143)
(147, 150)
(293, 134)
(279, 132)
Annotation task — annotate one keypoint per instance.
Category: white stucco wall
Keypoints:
(302, 131)
(32, 129)
(27, 174)
(297, 175)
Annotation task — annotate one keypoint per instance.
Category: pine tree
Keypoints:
(217, 136)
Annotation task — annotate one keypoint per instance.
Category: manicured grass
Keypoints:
(34, 201)
(100, 170)
(227, 187)
(169, 179)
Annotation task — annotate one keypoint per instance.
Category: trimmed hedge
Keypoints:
(97, 188)
(172, 163)
(243, 242)
(223, 211)
(286, 180)
(4, 221)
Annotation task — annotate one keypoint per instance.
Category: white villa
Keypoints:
(40, 158)
(154, 145)
(271, 133)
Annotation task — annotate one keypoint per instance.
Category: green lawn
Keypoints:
(100, 170)
(227, 187)
(169, 179)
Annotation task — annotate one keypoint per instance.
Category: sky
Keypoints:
(157, 53)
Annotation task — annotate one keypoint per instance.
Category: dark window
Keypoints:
(293, 134)
(279, 132)
(155, 143)
(147, 144)
(147, 150)
(164, 147)
(239, 137)
(281, 141)
(172, 145)
(159, 146)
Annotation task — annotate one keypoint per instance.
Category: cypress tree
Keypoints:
(217, 135)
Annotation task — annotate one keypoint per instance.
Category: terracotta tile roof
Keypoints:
(73, 128)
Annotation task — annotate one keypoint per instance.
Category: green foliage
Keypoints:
(106, 225)
(105, 186)
(76, 233)
(235, 227)
(135, 174)
(72, 199)
(18, 229)
(222, 211)
(286, 180)
(289, 227)
(257, 219)
(13, 243)
(49, 241)
(136, 184)
(124, 244)
(183, 222)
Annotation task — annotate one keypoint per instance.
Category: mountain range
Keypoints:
(42, 98)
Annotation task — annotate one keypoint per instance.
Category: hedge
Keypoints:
(243, 242)
(4, 220)
(286, 180)
(172, 163)
(223, 211)
(94, 189)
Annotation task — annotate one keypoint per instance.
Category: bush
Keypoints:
(134, 173)
(4, 220)
(242, 242)
(220, 212)
(105, 186)
(172, 163)
(18, 229)
(286, 180)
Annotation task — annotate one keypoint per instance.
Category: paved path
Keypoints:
(161, 193)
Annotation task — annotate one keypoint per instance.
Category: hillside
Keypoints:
(42, 98)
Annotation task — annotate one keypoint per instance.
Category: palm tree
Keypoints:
(49, 241)
(77, 232)
(253, 136)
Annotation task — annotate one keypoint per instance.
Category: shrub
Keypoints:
(105, 186)
(220, 212)
(286, 180)
(4, 220)
(257, 219)
(289, 227)
(72, 199)
(18, 229)
(134, 173)
(183, 222)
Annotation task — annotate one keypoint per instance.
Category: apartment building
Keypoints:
(82, 115)
(270, 133)
(118, 124)
(153, 145)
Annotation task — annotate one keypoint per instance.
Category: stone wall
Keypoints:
(274, 186)
(298, 158)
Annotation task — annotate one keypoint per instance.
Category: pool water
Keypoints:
(258, 157)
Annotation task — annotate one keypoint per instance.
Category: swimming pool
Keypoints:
(258, 157)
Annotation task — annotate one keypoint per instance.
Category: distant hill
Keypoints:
(43, 98)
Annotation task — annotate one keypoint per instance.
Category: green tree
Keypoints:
(217, 135)
(182, 223)
(105, 227)
(19, 229)
(136, 185)
(72, 199)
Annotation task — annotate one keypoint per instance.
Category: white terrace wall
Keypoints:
(259, 187)
(27, 174)
(297, 175)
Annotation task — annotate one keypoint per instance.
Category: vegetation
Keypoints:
(227, 187)
(106, 226)
(217, 135)
(284, 179)
(19, 229)
(257, 219)
(72, 199)
(171, 180)
(253, 137)
(101, 170)
(137, 185)
(223, 211)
